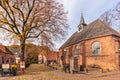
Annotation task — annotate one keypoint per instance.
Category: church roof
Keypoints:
(95, 29)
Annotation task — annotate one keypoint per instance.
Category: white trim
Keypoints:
(99, 45)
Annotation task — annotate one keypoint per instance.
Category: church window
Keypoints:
(66, 51)
(77, 50)
(96, 48)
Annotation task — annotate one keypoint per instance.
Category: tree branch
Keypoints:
(29, 12)
(6, 10)
(7, 29)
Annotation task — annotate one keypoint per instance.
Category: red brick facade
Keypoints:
(6, 57)
(108, 52)
(108, 57)
(95, 45)
(49, 56)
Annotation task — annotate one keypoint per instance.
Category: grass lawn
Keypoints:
(38, 68)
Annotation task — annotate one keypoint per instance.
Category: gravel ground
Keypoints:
(59, 75)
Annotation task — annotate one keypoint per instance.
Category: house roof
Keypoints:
(4, 49)
(95, 29)
(14, 50)
(7, 50)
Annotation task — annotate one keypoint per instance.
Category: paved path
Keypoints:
(59, 75)
(95, 75)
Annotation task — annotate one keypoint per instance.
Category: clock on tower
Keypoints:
(82, 24)
(80, 27)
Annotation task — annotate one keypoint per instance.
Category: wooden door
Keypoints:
(119, 61)
(75, 64)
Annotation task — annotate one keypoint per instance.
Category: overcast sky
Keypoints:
(91, 10)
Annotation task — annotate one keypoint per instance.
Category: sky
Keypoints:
(91, 9)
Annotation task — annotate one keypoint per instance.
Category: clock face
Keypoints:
(80, 27)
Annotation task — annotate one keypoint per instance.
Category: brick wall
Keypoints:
(52, 56)
(6, 58)
(107, 58)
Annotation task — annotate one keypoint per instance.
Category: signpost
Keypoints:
(5, 66)
(22, 66)
(6, 69)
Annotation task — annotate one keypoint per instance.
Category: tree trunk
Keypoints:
(22, 46)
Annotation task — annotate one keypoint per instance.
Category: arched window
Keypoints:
(67, 52)
(96, 48)
(77, 50)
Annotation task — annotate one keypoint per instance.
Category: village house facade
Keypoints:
(6, 56)
(93, 45)
(47, 55)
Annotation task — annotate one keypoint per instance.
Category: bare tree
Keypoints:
(28, 19)
(112, 17)
(107, 17)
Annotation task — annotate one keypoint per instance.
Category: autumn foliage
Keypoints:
(27, 19)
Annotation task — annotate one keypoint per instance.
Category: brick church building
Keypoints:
(93, 45)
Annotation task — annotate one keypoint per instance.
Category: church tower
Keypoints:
(82, 24)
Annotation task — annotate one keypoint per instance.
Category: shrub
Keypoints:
(94, 66)
(14, 67)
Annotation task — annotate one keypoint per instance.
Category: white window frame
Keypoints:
(94, 45)
(77, 50)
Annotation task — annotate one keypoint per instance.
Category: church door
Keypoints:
(119, 62)
(75, 64)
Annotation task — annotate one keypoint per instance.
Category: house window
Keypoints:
(96, 48)
(77, 50)
(10, 60)
(2, 60)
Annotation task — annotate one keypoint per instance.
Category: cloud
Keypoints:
(69, 6)
(92, 9)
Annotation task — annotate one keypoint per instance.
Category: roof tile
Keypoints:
(95, 29)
